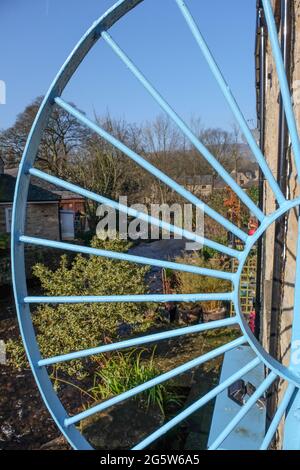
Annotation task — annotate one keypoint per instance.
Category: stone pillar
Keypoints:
(285, 282)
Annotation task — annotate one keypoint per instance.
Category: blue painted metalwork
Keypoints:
(126, 257)
(278, 417)
(157, 173)
(160, 298)
(188, 133)
(151, 383)
(243, 411)
(134, 213)
(292, 429)
(71, 299)
(284, 86)
(38, 364)
(231, 101)
(197, 405)
(291, 425)
(153, 338)
(250, 432)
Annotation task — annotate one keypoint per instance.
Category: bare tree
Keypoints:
(163, 144)
(219, 143)
(61, 139)
(102, 168)
(235, 149)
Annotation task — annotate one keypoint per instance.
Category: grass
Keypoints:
(121, 372)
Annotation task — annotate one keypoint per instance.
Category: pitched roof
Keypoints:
(35, 194)
(38, 182)
(197, 180)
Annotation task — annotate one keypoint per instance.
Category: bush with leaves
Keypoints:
(70, 327)
(190, 283)
(4, 241)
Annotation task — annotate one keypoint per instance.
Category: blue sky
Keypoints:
(36, 36)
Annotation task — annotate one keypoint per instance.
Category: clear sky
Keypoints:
(37, 35)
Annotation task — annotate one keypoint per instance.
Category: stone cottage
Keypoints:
(42, 219)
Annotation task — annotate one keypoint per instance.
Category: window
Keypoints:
(8, 217)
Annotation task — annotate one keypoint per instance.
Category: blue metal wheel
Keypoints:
(67, 424)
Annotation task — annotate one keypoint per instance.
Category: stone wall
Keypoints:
(42, 220)
(271, 153)
(286, 282)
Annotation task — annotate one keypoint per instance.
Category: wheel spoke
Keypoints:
(231, 101)
(66, 423)
(159, 298)
(197, 405)
(140, 340)
(283, 82)
(153, 170)
(158, 380)
(138, 215)
(185, 129)
(278, 416)
(127, 257)
(243, 411)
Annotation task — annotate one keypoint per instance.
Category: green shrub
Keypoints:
(191, 283)
(253, 192)
(4, 241)
(70, 327)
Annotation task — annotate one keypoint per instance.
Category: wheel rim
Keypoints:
(67, 424)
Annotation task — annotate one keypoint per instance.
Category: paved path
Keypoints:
(160, 249)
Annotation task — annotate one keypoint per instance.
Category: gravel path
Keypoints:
(161, 249)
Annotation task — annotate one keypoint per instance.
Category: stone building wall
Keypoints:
(42, 220)
(286, 282)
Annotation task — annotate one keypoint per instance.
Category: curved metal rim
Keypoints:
(275, 366)
(42, 379)
(41, 376)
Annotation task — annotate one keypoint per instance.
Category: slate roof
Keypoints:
(35, 194)
(197, 180)
(61, 193)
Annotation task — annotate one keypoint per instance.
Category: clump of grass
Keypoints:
(123, 371)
